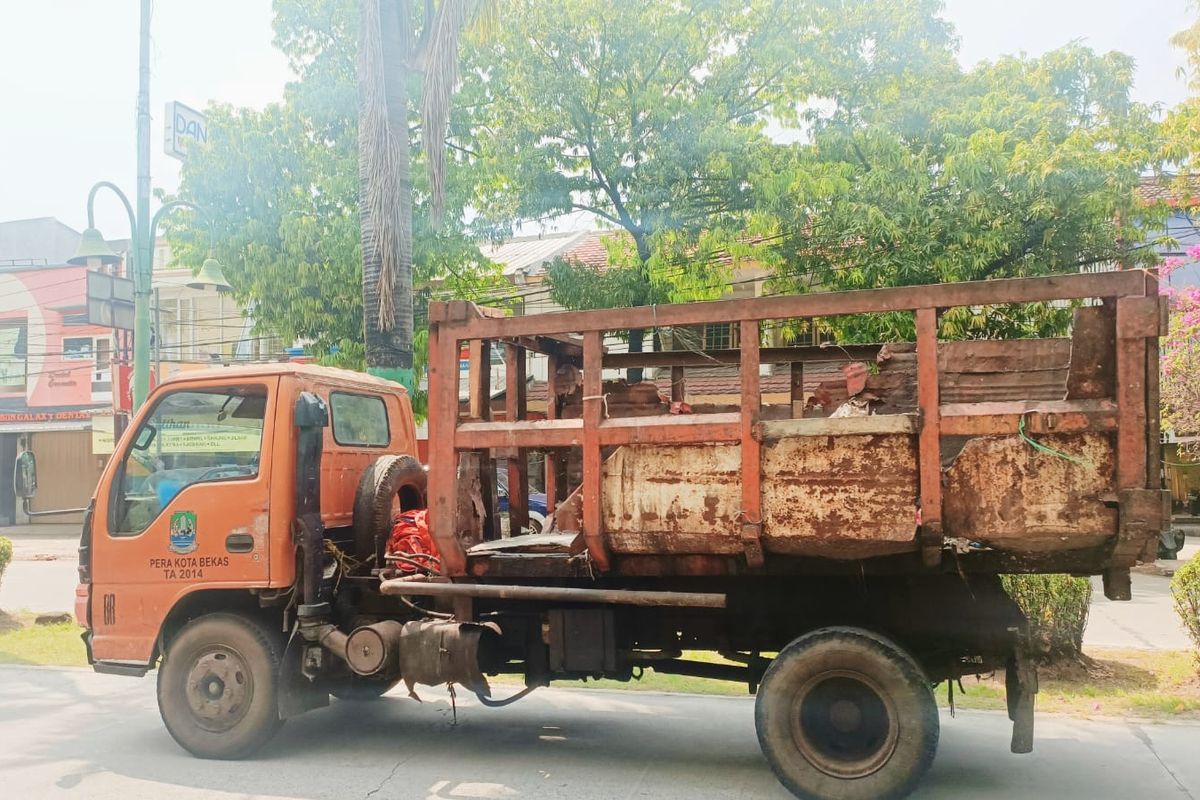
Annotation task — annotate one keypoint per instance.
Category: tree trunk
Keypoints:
(637, 336)
(385, 188)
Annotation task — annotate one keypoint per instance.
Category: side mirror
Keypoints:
(25, 475)
(144, 437)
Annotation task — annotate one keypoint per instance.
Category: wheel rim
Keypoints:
(219, 689)
(844, 724)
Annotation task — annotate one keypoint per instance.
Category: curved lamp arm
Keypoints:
(91, 200)
(171, 206)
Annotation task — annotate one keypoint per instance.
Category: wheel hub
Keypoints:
(844, 724)
(219, 689)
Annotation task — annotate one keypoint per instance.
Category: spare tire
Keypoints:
(388, 486)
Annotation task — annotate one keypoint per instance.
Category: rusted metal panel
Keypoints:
(929, 441)
(593, 400)
(1143, 513)
(552, 456)
(524, 433)
(838, 426)
(1139, 317)
(840, 496)
(751, 511)
(1131, 401)
(674, 428)
(443, 482)
(1003, 493)
(902, 298)
(518, 462)
(1154, 468)
(681, 499)
(1003, 355)
(1041, 416)
(1093, 339)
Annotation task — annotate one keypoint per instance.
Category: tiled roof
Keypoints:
(1173, 190)
(590, 250)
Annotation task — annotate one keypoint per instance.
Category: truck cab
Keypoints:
(197, 505)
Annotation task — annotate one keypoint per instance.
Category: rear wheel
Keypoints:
(845, 714)
(218, 684)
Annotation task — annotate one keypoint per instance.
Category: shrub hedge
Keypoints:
(5, 555)
(1185, 589)
(1057, 608)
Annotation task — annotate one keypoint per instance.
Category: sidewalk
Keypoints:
(42, 575)
(49, 529)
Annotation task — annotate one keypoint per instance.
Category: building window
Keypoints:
(359, 419)
(719, 336)
(102, 372)
(13, 350)
(77, 348)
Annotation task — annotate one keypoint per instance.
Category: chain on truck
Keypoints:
(266, 536)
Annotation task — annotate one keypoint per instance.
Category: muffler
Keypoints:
(429, 652)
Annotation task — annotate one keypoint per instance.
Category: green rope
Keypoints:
(1050, 451)
(1180, 463)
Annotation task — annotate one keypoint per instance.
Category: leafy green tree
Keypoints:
(1026, 166)
(282, 187)
(652, 117)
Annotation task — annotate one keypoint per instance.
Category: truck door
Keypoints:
(186, 508)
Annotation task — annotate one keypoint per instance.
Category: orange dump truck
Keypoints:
(267, 538)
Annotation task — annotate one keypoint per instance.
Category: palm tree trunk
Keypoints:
(385, 188)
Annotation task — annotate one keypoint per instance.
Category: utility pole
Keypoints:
(143, 262)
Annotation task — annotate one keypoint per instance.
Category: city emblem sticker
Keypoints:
(183, 532)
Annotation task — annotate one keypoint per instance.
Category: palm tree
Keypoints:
(389, 53)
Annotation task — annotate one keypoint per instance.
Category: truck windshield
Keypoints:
(192, 436)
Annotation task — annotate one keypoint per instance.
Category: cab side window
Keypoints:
(192, 436)
(359, 420)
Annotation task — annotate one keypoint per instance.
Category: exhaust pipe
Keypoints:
(429, 652)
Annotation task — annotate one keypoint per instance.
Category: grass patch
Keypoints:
(1159, 684)
(23, 642)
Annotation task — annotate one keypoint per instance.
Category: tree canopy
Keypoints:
(1015, 168)
(838, 143)
(653, 116)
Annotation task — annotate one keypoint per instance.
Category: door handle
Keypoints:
(239, 543)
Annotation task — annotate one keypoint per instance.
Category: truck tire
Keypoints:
(389, 485)
(218, 684)
(845, 714)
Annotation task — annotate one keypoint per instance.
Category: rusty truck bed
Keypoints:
(1034, 455)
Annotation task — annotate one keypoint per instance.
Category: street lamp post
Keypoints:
(142, 227)
(143, 237)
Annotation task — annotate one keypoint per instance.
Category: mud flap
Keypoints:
(1021, 686)
(297, 693)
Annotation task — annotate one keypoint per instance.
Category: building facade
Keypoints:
(59, 375)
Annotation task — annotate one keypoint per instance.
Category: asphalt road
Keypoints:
(71, 733)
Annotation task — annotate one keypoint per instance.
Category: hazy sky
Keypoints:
(68, 78)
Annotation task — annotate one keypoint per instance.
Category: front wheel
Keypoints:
(218, 684)
(845, 714)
